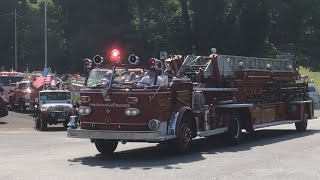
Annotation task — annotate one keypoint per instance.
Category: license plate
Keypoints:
(61, 119)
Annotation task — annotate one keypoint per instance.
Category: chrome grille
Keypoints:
(59, 108)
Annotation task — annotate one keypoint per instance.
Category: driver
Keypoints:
(151, 79)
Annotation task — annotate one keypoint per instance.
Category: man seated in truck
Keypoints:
(151, 80)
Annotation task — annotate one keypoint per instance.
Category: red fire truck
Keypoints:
(24, 96)
(208, 95)
(8, 78)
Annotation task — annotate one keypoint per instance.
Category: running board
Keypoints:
(212, 132)
(257, 126)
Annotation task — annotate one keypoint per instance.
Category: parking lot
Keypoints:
(272, 153)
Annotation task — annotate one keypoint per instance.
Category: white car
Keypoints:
(313, 93)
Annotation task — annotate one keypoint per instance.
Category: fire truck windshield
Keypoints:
(122, 76)
(6, 80)
(26, 85)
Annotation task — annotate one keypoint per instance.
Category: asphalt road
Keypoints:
(273, 153)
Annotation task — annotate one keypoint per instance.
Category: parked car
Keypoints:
(313, 93)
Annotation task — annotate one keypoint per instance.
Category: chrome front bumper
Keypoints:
(119, 135)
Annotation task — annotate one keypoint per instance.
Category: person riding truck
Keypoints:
(151, 79)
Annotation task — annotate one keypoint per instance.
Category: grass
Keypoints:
(312, 75)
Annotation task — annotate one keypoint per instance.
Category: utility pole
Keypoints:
(45, 36)
(15, 41)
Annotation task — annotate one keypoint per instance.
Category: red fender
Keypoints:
(181, 113)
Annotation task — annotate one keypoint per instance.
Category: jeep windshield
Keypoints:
(122, 76)
(55, 96)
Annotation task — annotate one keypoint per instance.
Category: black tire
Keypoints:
(22, 107)
(43, 123)
(37, 123)
(11, 105)
(302, 126)
(106, 147)
(234, 133)
(65, 123)
(35, 114)
(183, 143)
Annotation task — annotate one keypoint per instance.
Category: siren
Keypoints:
(97, 59)
(157, 64)
(87, 63)
(133, 59)
(153, 62)
(115, 55)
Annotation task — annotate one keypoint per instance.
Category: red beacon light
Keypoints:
(115, 55)
(152, 62)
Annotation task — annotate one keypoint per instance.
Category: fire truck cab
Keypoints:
(207, 95)
(23, 96)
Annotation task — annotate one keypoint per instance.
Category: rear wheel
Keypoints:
(234, 133)
(302, 126)
(106, 147)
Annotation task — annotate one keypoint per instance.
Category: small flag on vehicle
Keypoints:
(43, 78)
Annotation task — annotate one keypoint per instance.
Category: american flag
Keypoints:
(44, 77)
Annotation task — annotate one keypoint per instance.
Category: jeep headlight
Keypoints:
(84, 110)
(132, 111)
(50, 108)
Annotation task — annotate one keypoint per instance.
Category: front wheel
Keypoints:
(183, 143)
(37, 122)
(302, 126)
(22, 106)
(11, 105)
(65, 123)
(106, 147)
(43, 123)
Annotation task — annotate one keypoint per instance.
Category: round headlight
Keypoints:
(87, 110)
(154, 124)
(132, 111)
(81, 110)
(50, 108)
(128, 112)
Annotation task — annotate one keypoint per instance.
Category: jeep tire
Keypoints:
(43, 123)
(37, 122)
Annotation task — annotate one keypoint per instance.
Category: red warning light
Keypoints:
(152, 62)
(115, 53)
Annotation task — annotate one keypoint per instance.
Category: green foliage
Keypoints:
(78, 29)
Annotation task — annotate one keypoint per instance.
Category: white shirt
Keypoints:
(151, 81)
